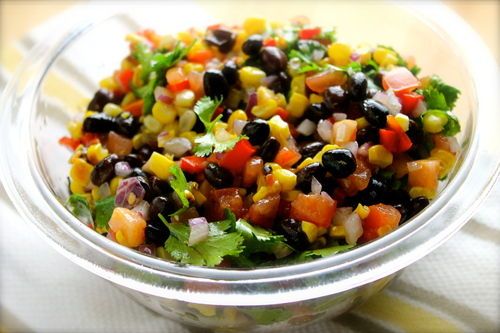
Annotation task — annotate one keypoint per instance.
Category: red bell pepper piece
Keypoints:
(409, 101)
(283, 113)
(394, 139)
(287, 157)
(135, 108)
(69, 142)
(235, 159)
(193, 164)
(309, 33)
(201, 56)
(180, 86)
(89, 139)
(269, 42)
(124, 77)
(389, 139)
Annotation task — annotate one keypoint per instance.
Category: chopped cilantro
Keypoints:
(308, 52)
(440, 96)
(180, 185)
(79, 206)
(328, 35)
(103, 211)
(322, 253)
(261, 240)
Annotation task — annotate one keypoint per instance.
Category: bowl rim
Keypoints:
(363, 255)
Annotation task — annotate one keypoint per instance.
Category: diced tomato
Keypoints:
(128, 227)
(287, 157)
(180, 86)
(89, 139)
(264, 211)
(123, 78)
(269, 42)
(283, 113)
(441, 142)
(319, 82)
(118, 144)
(253, 168)
(381, 220)
(409, 101)
(315, 208)
(358, 180)
(344, 131)
(135, 108)
(196, 83)
(309, 33)
(193, 164)
(400, 80)
(219, 200)
(69, 142)
(399, 165)
(423, 173)
(236, 158)
(201, 56)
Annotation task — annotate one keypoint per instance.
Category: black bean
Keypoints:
(317, 111)
(156, 235)
(267, 169)
(198, 127)
(137, 172)
(403, 210)
(339, 162)
(417, 204)
(230, 72)
(269, 149)
(164, 205)
(367, 134)
(279, 83)
(310, 149)
(133, 160)
(143, 180)
(373, 194)
(257, 131)
(304, 176)
(357, 86)
(100, 99)
(104, 170)
(273, 59)
(99, 123)
(291, 229)
(375, 113)
(334, 96)
(127, 126)
(218, 176)
(223, 39)
(226, 114)
(215, 84)
(252, 45)
(415, 133)
(159, 187)
(145, 152)
(394, 197)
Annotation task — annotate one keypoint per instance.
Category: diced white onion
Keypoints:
(454, 145)
(122, 169)
(315, 186)
(339, 116)
(352, 146)
(104, 190)
(306, 127)
(419, 109)
(198, 230)
(317, 54)
(353, 228)
(143, 209)
(238, 126)
(389, 100)
(177, 146)
(159, 91)
(363, 149)
(325, 129)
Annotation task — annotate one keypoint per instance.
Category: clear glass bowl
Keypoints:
(63, 70)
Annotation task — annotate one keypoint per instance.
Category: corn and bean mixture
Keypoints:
(259, 144)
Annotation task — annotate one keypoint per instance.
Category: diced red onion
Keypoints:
(143, 209)
(238, 126)
(177, 146)
(252, 101)
(306, 127)
(198, 230)
(363, 149)
(111, 235)
(341, 215)
(352, 146)
(147, 249)
(353, 228)
(339, 116)
(104, 190)
(159, 91)
(163, 95)
(315, 186)
(454, 145)
(325, 129)
(129, 193)
(355, 56)
(123, 169)
(419, 109)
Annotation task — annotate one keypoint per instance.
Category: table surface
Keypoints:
(445, 302)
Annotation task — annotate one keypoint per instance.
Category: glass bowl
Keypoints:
(59, 74)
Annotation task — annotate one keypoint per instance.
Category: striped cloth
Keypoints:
(454, 289)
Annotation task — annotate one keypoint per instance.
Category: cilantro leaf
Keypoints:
(260, 240)
(205, 109)
(180, 185)
(308, 52)
(322, 253)
(328, 35)
(209, 252)
(268, 316)
(79, 206)
(439, 95)
(103, 211)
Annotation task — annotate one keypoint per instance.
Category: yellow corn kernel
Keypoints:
(403, 121)
(311, 231)
(164, 113)
(279, 129)
(108, 83)
(273, 166)
(290, 195)
(297, 105)
(337, 231)
(314, 98)
(190, 135)
(137, 77)
(362, 211)
(151, 124)
(280, 99)
(241, 38)
(445, 158)
(362, 123)
(96, 153)
(261, 193)
(159, 165)
(254, 25)
(192, 67)
(305, 163)
(126, 64)
(75, 129)
(80, 171)
(264, 94)
(379, 156)
(199, 197)
(112, 110)
(265, 111)
(138, 141)
(129, 98)
(185, 37)
(385, 57)
(339, 54)
(251, 76)
(286, 178)
(113, 184)
(319, 155)
(95, 193)
(236, 115)
(88, 114)
(184, 99)
(298, 85)
(434, 123)
(416, 191)
(76, 188)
